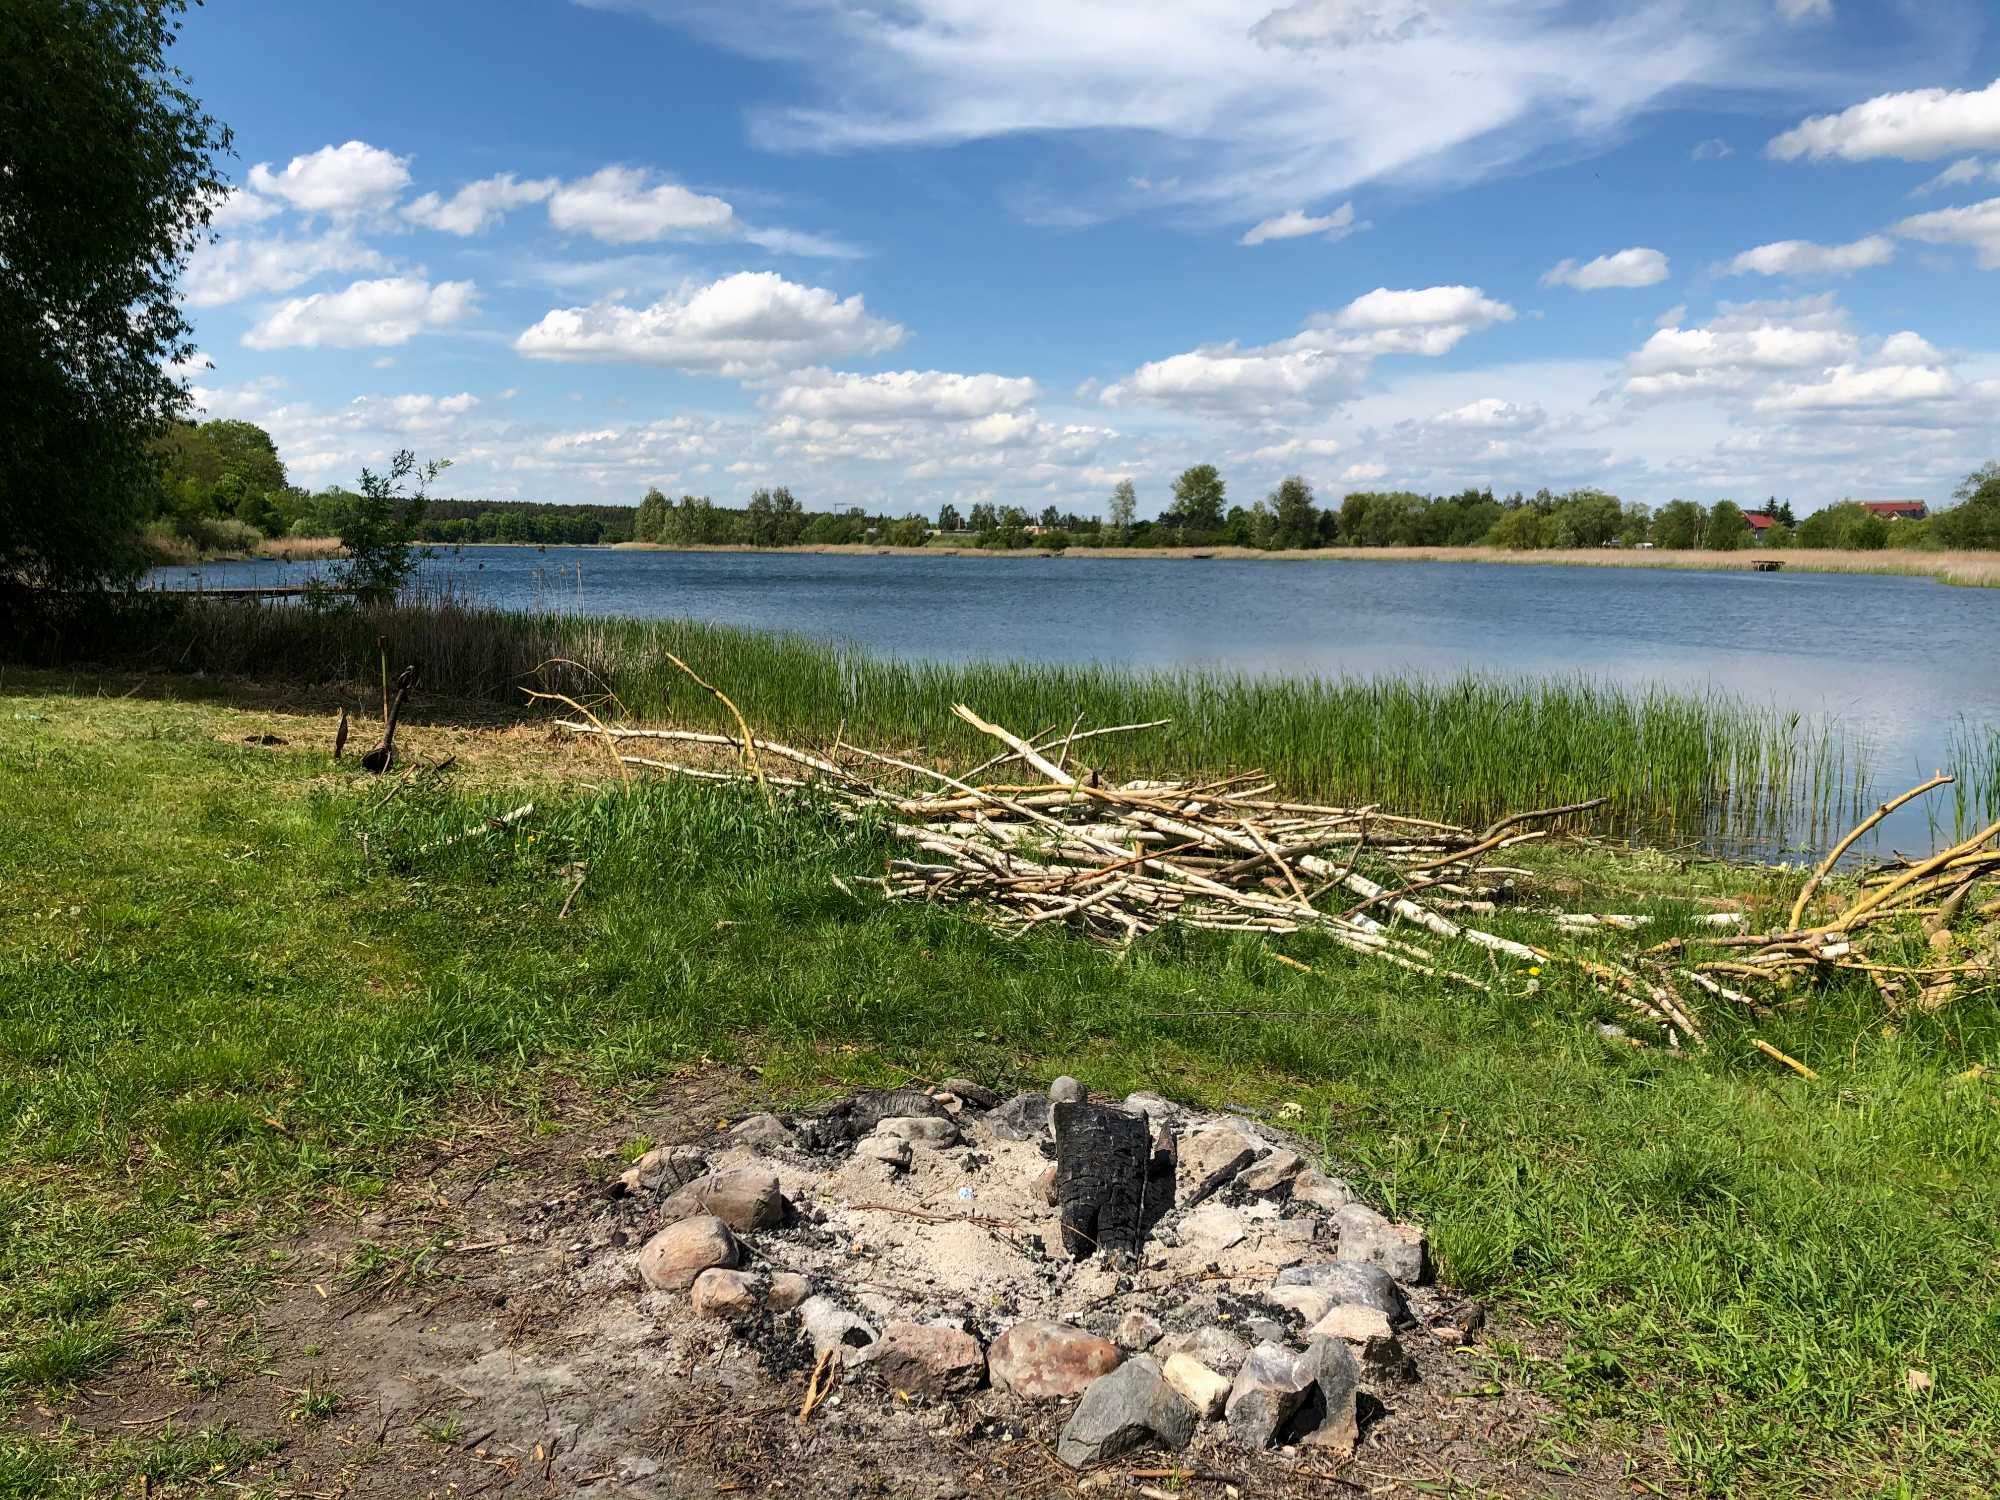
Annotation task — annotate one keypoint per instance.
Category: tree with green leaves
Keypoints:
(1295, 519)
(774, 518)
(1124, 505)
(380, 530)
(650, 523)
(949, 519)
(1726, 529)
(108, 175)
(1198, 498)
(1679, 525)
(1975, 520)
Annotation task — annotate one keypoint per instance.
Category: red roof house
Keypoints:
(1759, 522)
(1897, 510)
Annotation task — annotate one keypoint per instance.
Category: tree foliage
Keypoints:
(1198, 497)
(108, 176)
(1975, 520)
(380, 531)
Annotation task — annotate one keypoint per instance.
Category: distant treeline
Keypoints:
(222, 487)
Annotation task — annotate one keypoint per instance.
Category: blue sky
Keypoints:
(894, 254)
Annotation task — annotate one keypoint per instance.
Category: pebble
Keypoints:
(1271, 1173)
(1264, 1330)
(1399, 1249)
(1131, 1406)
(930, 1132)
(1355, 1322)
(925, 1360)
(742, 1197)
(764, 1132)
(1266, 1392)
(1198, 1385)
(1138, 1330)
(1066, 1090)
(786, 1290)
(1212, 1227)
(1041, 1360)
(717, 1293)
(1209, 1157)
(1152, 1106)
(1214, 1347)
(673, 1258)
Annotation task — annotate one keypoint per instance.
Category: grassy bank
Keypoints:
(221, 1010)
(1464, 749)
(1973, 569)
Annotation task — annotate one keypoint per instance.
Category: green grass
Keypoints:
(214, 1012)
(1470, 748)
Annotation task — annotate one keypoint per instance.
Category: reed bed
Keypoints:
(1465, 749)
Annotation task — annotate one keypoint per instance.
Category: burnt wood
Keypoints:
(1103, 1162)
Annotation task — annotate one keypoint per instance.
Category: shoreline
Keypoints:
(1964, 569)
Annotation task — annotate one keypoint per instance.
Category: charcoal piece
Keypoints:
(850, 1119)
(1103, 1160)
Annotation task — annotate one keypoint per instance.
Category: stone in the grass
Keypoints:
(1271, 1173)
(1332, 1377)
(923, 1360)
(1066, 1090)
(1399, 1249)
(1351, 1281)
(1138, 1330)
(765, 1132)
(1198, 1385)
(673, 1258)
(742, 1197)
(1041, 1360)
(663, 1169)
(1131, 1406)
(1267, 1391)
(1152, 1106)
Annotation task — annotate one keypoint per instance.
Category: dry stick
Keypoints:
(1019, 746)
(1542, 814)
(749, 743)
(1826, 865)
(814, 1389)
(1490, 842)
(1869, 904)
(1283, 868)
(610, 748)
(1791, 1062)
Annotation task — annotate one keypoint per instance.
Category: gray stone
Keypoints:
(1271, 1173)
(1264, 1330)
(1040, 1360)
(1152, 1106)
(1198, 1385)
(1332, 1378)
(1399, 1249)
(1351, 1281)
(1066, 1090)
(742, 1197)
(1132, 1405)
(1138, 1330)
(1267, 1391)
(1321, 1191)
(1354, 1322)
(673, 1258)
(1214, 1347)
(925, 1360)
(1208, 1158)
(764, 1133)
(933, 1134)
(977, 1095)
(892, 1151)
(1025, 1117)
(837, 1329)
(1311, 1303)
(1212, 1227)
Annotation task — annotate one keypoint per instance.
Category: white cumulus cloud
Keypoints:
(1804, 258)
(749, 323)
(1959, 174)
(626, 206)
(1490, 413)
(1977, 225)
(477, 206)
(1296, 224)
(341, 180)
(1636, 267)
(928, 394)
(1919, 125)
(392, 310)
(229, 270)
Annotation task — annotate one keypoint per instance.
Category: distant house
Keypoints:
(1759, 522)
(1897, 510)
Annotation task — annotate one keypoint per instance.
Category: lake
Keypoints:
(1900, 663)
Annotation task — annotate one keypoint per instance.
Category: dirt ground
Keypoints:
(437, 1346)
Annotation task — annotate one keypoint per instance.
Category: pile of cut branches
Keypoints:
(1034, 836)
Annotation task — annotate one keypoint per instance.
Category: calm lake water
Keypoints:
(1901, 663)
